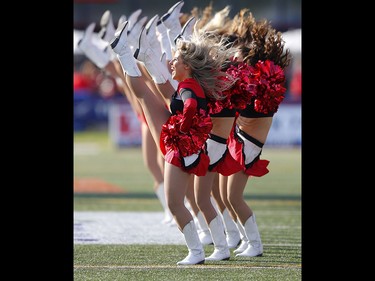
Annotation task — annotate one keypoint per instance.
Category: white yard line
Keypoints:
(124, 228)
(86, 148)
(131, 228)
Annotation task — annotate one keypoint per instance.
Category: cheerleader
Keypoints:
(182, 129)
(260, 89)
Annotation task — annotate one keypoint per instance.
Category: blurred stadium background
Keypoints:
(99, 106)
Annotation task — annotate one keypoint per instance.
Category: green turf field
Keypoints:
(275, 198)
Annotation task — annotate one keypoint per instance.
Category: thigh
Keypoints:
(176, 183)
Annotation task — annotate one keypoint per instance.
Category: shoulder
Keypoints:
(191, 85)
(188, 83)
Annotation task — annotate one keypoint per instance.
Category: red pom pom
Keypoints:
(262, 84)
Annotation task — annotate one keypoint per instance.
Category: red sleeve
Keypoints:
(190, 108)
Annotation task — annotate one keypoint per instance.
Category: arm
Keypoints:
(190, 108)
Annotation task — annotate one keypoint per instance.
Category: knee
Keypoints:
(203, 202)
(174, 206)
(233, 199)
(226, 201)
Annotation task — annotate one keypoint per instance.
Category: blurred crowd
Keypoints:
(89, 80)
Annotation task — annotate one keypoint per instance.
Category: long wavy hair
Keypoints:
(260, 40)
(207, 54)
(257, 40)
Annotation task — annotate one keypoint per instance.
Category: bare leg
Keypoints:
(216, 193)
(223, 186)
(176, 184)
(237, 183)
(202, 189)
(162, 91)
(114, 69)
(154, 109)
(150, 154)
(190, 196)
(155, 163)
(231, 230)
(236, 186)
(202, 226)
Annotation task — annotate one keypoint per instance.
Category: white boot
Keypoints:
(163, 58)
(161, 196)
(204, 231)
(231, 230)
(133, 34)
(221, 251)
(187, 30)
(255, 247)
(90, 36)
(121, 19)
(196, 252)
(94, 49)
(154, 66)
(173, 82)
(124, 54)
(171, 21)
(244, 242)
(107, 31)
(134, 28)
(133, 18)
(164, 40)
(152, 37)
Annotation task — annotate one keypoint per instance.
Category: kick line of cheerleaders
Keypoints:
(205, 88)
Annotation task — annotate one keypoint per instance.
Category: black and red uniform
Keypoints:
(184, 134)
